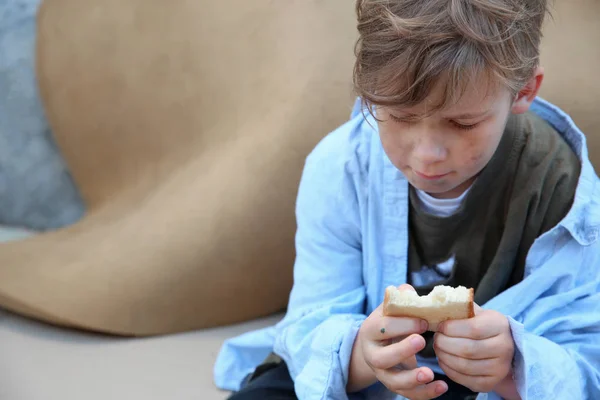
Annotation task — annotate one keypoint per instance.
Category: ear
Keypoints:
(528, 93)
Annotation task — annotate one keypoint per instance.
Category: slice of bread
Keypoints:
(442, 304)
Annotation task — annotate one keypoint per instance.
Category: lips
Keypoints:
(429, 177)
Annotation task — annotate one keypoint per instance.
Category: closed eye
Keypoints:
(465, 127)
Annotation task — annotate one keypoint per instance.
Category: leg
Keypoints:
(273, 383)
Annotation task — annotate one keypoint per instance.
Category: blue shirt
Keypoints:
(352, 242)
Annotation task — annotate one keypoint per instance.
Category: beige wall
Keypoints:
(571, 57)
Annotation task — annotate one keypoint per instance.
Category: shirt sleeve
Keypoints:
(327, 302)
(557, 337)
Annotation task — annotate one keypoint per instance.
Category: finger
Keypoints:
(425, 392)
(468, 348)
(483, 326)
(405, 380)
(478, 310)
(386, 357)
(394, 327)
(385, 328)
(415, 384)
(481, 384)
(409, 363)
(466, 366)
(406, 286)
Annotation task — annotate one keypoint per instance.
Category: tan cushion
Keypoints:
(185, 125)
(40, 362)
(571, 56)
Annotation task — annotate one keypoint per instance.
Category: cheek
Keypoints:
(395, 146)
(476, 156)
(480, 148)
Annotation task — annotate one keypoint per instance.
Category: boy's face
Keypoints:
(443, 153)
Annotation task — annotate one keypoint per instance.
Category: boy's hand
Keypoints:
(476, 352)
(385, 350)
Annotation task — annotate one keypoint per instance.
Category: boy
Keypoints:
(443, 176)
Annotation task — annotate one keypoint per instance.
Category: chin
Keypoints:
(440, 186)
(442, 190)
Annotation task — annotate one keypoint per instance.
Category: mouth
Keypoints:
(429, 177)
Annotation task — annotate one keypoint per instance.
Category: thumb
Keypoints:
(406, 286)
(478, 310)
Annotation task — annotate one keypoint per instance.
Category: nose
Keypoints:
(429, 148)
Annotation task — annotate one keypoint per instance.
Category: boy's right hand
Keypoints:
(388, 346)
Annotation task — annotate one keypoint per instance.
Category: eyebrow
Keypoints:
(406, 116)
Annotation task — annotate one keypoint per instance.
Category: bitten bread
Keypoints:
(442, 304)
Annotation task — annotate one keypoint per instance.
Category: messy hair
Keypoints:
(408, 47)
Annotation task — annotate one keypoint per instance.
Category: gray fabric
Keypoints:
(36, 190)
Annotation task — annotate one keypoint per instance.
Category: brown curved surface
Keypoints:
(185, 125)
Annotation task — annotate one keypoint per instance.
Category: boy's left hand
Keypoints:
(476, 352)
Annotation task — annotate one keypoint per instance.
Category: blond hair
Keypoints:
(407, 47)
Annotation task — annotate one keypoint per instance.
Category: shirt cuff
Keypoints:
(325, 375)
(519, 370)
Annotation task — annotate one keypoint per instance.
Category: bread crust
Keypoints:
(471, 303)
(386, 301)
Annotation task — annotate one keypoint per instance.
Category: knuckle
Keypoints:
(508, 348)
(482, 385)
(462, 364)
(439, 342)
(401, 383)
(375, 362)
(477, 327)
(395, 387)
(450, 374)
(428, 393)
(405, 326)
(415, 325)
(471, 350)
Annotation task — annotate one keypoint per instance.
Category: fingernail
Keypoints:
(416, 341)
(421, 377)
(424, 326)
(441, 388)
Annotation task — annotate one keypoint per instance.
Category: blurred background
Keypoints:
(150, 154)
